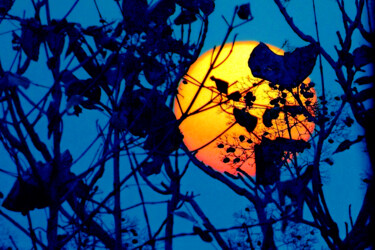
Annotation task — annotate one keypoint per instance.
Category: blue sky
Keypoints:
(342, 181)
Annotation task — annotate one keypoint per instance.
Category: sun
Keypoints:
(209, 96)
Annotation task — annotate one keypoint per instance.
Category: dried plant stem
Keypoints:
(116, 186)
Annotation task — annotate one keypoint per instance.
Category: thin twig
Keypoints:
(207, 223)
(15, 223)
(142, 198)
(70, 10)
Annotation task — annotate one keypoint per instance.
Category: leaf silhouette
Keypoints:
(85, 88)
(54, 118)
(204, 235)
(9, 79)
(365, 80)
(150, 168)
(348, 121)
(191, 5)
(26, 195)
(269, 115)
(56, 36)
(206, 6)
(245, 119)
(163, 141)
(164, 136)
(124, 66)
(119, 120)
(268, 157)
(289, 70)
(5, 6)
(134, 109)
(185, 17)
(329, 161)
(249, 99)
(31, 189)
(235, 96)
(346, 144)
(155, 72)
(178, 47)
(185, 215)
(86, 93)
(31, 38)
(291, 145)
(365, 94)
(160, 11)
(75, 46)
(268, 161)
(293, 110)
(144, 113)
(132, 10)
(363, 56)
(231, 150)
(244, 11)
(221, 85)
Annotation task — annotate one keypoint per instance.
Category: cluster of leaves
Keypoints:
(284, 73)
(237, 152)
(269, 157)
(144, 113)
(32, 188)
(283, 77)
(299, 236)
(132, 69)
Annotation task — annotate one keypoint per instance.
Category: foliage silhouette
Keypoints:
(288, 70)
(126, 73)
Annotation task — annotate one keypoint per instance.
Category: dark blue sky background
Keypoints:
(342, 181)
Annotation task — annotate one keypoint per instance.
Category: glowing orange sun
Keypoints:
(206, 112)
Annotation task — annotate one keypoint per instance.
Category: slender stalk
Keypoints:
(241, 227)
(32, 232)
(91, 215)
(16, 224)
(116, 188)
(212, 65)
(48, 11)
(141, 196)
(38, 144)
(172, 204)
(208, 224)
(93, 228)
(52, 226)
(316, 174)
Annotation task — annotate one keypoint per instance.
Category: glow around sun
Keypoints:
(210, 128)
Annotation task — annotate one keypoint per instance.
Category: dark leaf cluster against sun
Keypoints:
(244, 11)
(288, 70)
(245, 119)
(270, 155)
(221, 85)
(284, 74)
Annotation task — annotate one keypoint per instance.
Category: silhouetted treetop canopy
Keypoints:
(107, 131)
